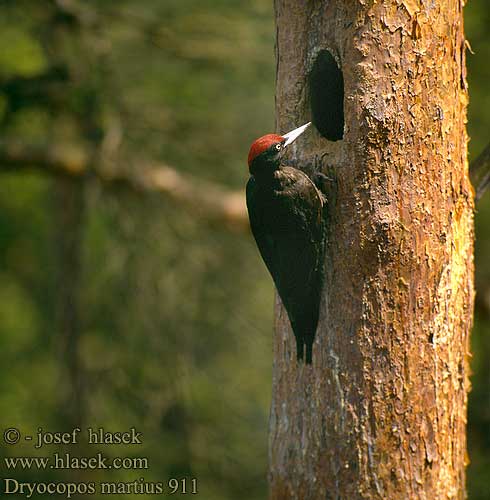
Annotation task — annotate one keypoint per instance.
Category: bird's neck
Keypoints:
(265, 174)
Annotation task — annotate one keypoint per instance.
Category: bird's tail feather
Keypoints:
(300, 349)
(309, 351)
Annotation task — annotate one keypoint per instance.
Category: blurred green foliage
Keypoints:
(477, 19)
(174, 313)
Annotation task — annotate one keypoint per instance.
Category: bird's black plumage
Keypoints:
(286, 217)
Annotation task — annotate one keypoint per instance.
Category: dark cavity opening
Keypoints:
(326, 84)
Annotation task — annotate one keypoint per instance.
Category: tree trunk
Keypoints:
(381, 413)
(69, 220)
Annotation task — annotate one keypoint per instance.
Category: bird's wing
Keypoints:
(296, 247)
(319, 195)
(265, 242)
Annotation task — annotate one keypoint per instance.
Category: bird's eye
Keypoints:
(278, 146)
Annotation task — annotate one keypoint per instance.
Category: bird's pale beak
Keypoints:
(294, 134)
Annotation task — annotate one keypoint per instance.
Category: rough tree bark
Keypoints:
(381, 414)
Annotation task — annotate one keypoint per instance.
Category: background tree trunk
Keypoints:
(69, 220)
(382, 411)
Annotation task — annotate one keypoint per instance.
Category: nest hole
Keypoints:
(326, 86)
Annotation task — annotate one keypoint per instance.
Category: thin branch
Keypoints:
(209, 200)
(480, 172)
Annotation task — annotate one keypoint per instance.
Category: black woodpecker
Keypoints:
(286, 217)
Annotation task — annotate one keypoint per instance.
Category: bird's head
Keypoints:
(266, 152)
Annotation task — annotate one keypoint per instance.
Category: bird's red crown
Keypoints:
(261, 144)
